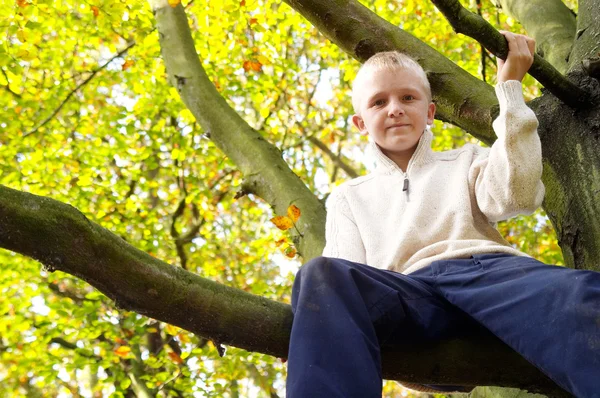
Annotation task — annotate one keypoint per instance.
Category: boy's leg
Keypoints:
(549, 314)
(342, 312)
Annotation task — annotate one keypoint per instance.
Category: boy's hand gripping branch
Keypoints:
(521, 50)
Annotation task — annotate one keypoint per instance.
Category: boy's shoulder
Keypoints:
(473, 149)
(358, 180)
(345, 187)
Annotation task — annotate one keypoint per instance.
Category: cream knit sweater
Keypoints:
(452, 198)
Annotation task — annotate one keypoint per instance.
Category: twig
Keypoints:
(483, 54)
(337, 160)
(470, 24)
(79, 86)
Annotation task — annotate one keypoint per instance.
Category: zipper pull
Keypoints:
(405, 187)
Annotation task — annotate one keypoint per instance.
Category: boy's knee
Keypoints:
(322, 268)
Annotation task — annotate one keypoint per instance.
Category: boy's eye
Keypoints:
(379, 102)
(409, 97)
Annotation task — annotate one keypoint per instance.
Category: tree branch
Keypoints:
(334, 158)
(62, 238)
(266, 173)
(470, 24)
(77, 88)
(553, 29)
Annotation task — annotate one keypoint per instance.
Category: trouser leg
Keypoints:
(550, 315)
(343, 311)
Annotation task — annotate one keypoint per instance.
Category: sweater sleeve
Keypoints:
(342, 238)
(508, 182)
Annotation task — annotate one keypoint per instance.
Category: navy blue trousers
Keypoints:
(344, 311)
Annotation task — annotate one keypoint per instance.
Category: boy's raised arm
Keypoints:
(508, 181)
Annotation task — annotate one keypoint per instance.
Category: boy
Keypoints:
(412, 253)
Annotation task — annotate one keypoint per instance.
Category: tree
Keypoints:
(62, 238)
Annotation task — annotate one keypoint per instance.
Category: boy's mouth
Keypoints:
(398, 125)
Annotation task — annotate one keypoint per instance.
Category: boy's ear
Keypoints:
(359, 123)
(430, 113)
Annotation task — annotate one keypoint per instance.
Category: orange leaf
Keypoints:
(282, 222)
(293, 213)
(253, 21)
(242, 3)
(256, 66)
(22, 3)
(175, 357)
(173, 3)
(252, 65)
(120, 341)
(95, 10)
(122, 351)
(279, 242)
(129, 63)
(290, 252)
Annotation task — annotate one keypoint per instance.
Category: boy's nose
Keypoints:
(395, 109)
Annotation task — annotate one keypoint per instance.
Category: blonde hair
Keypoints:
(387, 60)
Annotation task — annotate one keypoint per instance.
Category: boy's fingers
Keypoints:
(522, 44)
(531, 45)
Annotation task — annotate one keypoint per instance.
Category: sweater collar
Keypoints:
(422, 155)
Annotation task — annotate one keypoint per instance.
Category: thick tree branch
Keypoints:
(266, 173)
(461, 99)
(62, 238)
(470, 24)
(553, 29)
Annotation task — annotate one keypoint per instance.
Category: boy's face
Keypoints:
(394, 110)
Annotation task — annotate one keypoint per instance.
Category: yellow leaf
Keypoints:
(282, 222)
(262, 59)
(21, 35)
(264, 112)
(293, 213)
(123, 351)
(172, 330)
(173, 3)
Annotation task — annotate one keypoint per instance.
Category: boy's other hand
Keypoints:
(520, 57)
